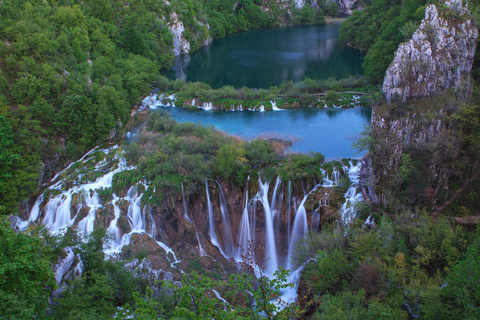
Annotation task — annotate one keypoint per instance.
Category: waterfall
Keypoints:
(244, 235)
(57, 213)
(300, 227)
(335, 176)
(276, 206)
(185, 205)
(200, 248)
(33, 215)
(93, 202)
(316, 219)
(254, 222)
(270, 247)
(211, 222)
(348, 210)
(333, 180)
(115, 244)
(59, 209)
(289, 213)
(274, 105)
(228, 246)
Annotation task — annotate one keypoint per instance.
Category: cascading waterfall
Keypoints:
(348, 211)
(316, 219)
(200, 248)
(211, 222)
(289, 196)
(117, 243)
(335, 178)
(244, 235)
(276, 205)
(57, 212)
(93, 202)
(34, 213)
(228, 246)
(58, 216)
(270, 247)
(300, 227)
(185, 205)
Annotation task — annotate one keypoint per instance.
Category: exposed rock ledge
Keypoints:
(439, 55)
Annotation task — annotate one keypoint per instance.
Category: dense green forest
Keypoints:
(71, 71)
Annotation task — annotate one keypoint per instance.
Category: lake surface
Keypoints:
(263, 58)
(328, 131)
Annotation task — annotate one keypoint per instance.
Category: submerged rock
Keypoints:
(438, 57)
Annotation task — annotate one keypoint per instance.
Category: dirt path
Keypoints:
(457, 192)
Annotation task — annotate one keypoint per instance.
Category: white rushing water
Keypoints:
(348, 211)
(63, 209)
(185, 205)
(80, 204)
(228, 246)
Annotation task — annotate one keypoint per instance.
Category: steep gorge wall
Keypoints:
(415, 145)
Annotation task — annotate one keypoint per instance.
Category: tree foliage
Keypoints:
(26, 277)
(379, 28)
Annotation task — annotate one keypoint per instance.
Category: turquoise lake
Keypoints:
(263, 58)
(328, 131)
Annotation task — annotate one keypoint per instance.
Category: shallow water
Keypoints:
(328, 131)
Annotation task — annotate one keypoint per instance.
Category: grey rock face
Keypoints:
(63, 265)
(346, 6)
(69, 267)
(439, 55)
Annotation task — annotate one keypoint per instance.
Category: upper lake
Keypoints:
(264, 58)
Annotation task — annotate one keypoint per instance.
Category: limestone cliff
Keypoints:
(344, 6)
(415, 149)
(439, 55)
(180, 44)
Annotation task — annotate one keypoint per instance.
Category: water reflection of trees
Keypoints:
(366, 113)
(264, 58)
(333, 113)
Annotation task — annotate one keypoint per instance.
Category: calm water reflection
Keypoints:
(262, 58)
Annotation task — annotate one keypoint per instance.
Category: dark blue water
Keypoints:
(328, 131)
(264, 58)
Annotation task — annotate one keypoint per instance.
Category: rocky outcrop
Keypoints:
(63, 269)
(299, 3)
(144, 270)
(180, 44)
(439, 55)
(346, 6)
(68, 268)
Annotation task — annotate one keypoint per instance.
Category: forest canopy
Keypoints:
(71, 71)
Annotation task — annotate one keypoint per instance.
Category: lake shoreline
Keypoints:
(334, 20)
